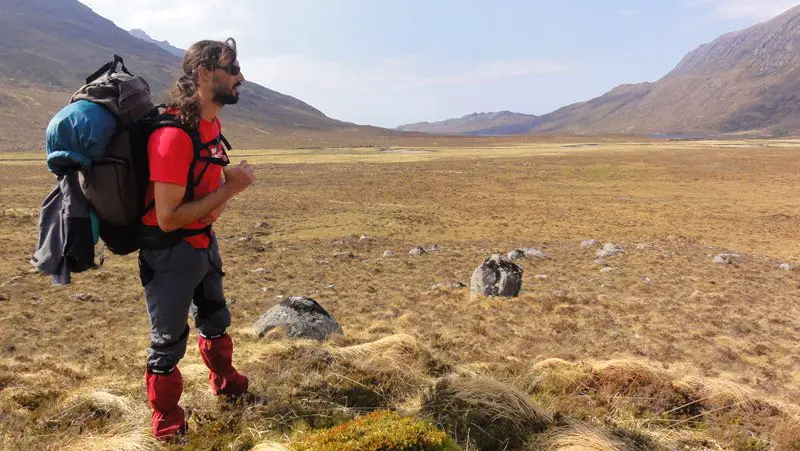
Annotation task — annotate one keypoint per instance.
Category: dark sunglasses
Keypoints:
(232, 69)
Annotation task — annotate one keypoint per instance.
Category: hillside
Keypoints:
(50, 46)
(743, 82)
(497, 123)
(141, 34)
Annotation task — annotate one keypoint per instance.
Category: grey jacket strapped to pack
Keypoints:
(66, 241)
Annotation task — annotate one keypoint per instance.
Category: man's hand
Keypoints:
(238, 178)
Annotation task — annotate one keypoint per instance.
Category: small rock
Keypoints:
(417, 251)
(609, 250)
(363, 238)
(85, 297)
(641, 247)
(436, 286)
(786, 266)
(433, 248)
(346, 254)
(301, 316)
(338, 243)
(259, 271)
(387, 254)
(260, 249)
(540, 277)
(245, 238)
(262, 225)
(331, 286)
(726, 258)
(534, 253)
(600, 261)
(607, 269)
(588, 243)
(459, 285)
(647, 280)
(4, 297)
(516, 254)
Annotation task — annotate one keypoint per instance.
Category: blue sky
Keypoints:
(389, 63)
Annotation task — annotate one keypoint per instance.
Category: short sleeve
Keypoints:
(170, 154)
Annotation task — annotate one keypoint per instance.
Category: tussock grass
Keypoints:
(85, 405)
(583, 438)
(482, 412)
(714, 394)
(786, 435)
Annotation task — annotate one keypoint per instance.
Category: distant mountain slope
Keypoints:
(498, 123)
(171, 49)
(50, 46)
(743, 82)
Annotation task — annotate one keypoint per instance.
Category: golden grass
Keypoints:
(482, 412)
(583, 438)
(667, 350)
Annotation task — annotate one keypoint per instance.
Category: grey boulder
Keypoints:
(496, 276)
(301, 316)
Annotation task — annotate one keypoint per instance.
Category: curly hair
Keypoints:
(208, 54)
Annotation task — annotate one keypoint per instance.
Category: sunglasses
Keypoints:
(232, 69)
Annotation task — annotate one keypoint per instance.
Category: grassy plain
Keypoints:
(665, 350)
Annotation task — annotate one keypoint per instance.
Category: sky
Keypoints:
(390, 63)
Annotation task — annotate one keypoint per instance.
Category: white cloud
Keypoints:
(746, 9)
(182, 22)
(396, 74)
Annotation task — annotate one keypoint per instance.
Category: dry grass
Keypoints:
(483, 413)
(666, 350)
(584, 438)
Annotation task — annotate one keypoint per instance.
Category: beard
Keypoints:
(225, 96)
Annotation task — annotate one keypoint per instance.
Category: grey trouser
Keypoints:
(177, 281)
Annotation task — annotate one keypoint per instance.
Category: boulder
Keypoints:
(302, 317)
(496, 276)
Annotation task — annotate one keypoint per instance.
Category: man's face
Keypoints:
(226, 83)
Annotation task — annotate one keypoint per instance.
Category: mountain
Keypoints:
(743, 82)
(50, 46)
(485, 124)
(141, 34)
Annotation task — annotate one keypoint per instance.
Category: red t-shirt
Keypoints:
(170, 152)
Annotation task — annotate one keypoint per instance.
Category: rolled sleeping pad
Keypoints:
(78, 135)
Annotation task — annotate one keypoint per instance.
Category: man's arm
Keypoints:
(174, 214)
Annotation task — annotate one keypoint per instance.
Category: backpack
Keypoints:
(103, 134)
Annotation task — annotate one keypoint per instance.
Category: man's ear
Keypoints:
(203, 74)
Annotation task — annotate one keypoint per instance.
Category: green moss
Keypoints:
(378, 431)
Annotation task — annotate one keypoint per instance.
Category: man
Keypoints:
(180, 265)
